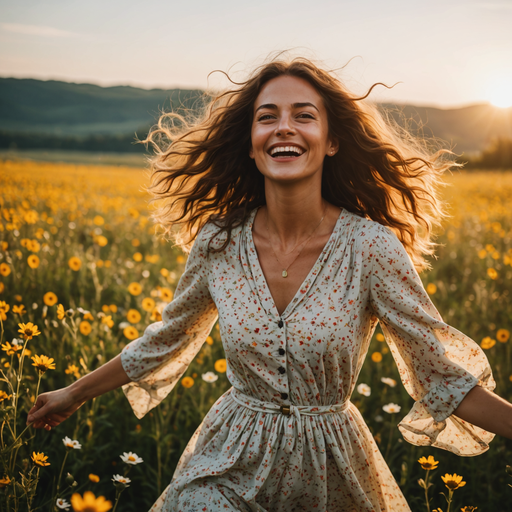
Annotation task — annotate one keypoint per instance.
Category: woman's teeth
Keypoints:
(286, 151)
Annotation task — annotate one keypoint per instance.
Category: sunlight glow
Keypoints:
(500, 94)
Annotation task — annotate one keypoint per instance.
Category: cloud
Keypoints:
(35, 30)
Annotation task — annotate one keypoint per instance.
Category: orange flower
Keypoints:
(43, 363)
(89, 503)
(20, 310)
(502, 335)
(376, 357)
(491, 272)
(148, 304)
(4, 308)
(135, 289)
(130, 332)
(166, 294)
(33, 261)
(85, 327)
(5, 270)
(133, 316)
(187, 382)
(94, 478)
(28, 330)
(209, 340)
(220, 365)
(60, 312)
(50, 299)
(487, 343)
(137, 257)
(75, 263)
(40, 459)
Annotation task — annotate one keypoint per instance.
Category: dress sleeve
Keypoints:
(438, 365)
(156, 361)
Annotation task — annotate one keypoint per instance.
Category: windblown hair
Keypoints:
(201, 171)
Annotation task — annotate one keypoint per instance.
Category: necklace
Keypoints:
(284, 273)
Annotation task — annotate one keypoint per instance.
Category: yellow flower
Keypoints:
(492, 273)
(113, 308)
(468, 508)
(187, 382)
(220, 365)
(180, 259)
(3, 245)
(503, 335)
(428, 463)
(166, 294)
(137, 256)
(85, 328)
(75, 263)
(135, 242)
(2, 287)
(482, 253)
(380, 337)
(88, 316)
(20, 310)
(105, 308)
(5, 270)
(4, 396)
(4, 482)
(453, 482)
(19, 298)
(39, 459)
(101, 240)
(209, 340)
(33, 246)
(89, 503)
(133, 316)
(94, 478)
(29, 330)
(107, 320)
(148, 304)
(135, 288)
(4, 308)
(130, 332)
(487, 343)
(376, 357)
(100, 263)
(50, 299)
(33, 261)
(431, 288)
(156, 316)
(72, 369)
(43, 363)
(98, 220)
(61, 313)
(164, 272)
(11, 349)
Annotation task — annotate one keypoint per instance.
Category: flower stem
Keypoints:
(450, 496)
(391, 429)
(426, 490)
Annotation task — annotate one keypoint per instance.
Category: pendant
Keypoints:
(284, 273)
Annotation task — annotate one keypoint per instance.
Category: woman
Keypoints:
(308, 216)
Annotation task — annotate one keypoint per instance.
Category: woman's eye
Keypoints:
(306, 115)
(265, 117)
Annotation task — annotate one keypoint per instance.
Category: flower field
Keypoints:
(82, 272)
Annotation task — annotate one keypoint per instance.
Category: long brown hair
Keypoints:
(201, 170)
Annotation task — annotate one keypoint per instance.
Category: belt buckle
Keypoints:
(285, 409)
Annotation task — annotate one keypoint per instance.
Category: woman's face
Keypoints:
(290, 134)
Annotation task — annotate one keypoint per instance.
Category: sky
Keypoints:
(445, 53)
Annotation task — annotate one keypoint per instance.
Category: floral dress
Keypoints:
(285, 437)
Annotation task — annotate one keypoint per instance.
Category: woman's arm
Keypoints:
(54, 407)
(486, 410)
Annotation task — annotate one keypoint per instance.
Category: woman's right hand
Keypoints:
(52, 408)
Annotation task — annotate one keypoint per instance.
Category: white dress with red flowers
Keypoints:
(285, 437)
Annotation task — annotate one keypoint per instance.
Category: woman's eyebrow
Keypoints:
(272, 106)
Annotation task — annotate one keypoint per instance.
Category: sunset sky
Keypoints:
(445, 53)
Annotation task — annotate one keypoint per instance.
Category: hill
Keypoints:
(83, 116)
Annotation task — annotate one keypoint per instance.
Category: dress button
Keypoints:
(281, 370)
(280, 324)
(284, 396)
(282, 351)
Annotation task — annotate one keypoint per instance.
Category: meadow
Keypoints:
(83, 270)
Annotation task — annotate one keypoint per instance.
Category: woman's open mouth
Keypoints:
(286, 152)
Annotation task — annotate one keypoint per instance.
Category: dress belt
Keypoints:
(288, 410)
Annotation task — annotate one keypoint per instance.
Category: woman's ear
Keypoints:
(251, 153)
(333, 148)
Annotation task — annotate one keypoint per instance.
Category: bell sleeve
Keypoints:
(438, 365)
(156, 361)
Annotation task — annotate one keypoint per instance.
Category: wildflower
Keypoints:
(135, 242)
(131, 458)
(209, 377)
(94, 478)
(29, 330)
(89, 503)
(502, 335)
(428, 463)
(148, 304)
(4, 482)
(220, 365)
(133, 316)
(491, 272)
(75, 263)
(137, 257)
(71, 443)
(33, 261)
(156, 315)
(19, 310)
(4, 308)
(4, 396)
(487, 343)
(113, 308)
(431, 288)
(376, 357)
(364, 389)
(391, 408)
(62, 504)
(380, 337)
(11, 349)
(166, 294)
(98, 220)
(85, 327)
(121, 481)
(130, 332)
(453, 482)
(39, 459)
(187, 382)
(180, 259)
(61, 313)
(468, 508)
(43, 363)
(209, 340)
(164, 272)
(5, 270)
(388, 381)
(72, 369)
(107, 320)
(135, 289)
(50, 299)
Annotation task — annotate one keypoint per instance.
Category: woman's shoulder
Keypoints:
(213, 236)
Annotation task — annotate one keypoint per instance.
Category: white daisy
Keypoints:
(210, 377)
(121, 480)
(131, 458)
(62, 504)
(391, 408)
(364, 389)
(71, 443)
(388, 381)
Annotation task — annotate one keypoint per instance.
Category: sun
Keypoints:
(500, 94)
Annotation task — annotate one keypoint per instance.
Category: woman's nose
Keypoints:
(284, 125)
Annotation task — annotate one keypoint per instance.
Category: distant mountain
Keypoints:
(63, 110)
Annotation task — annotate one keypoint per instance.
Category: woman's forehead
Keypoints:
(288, 90)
